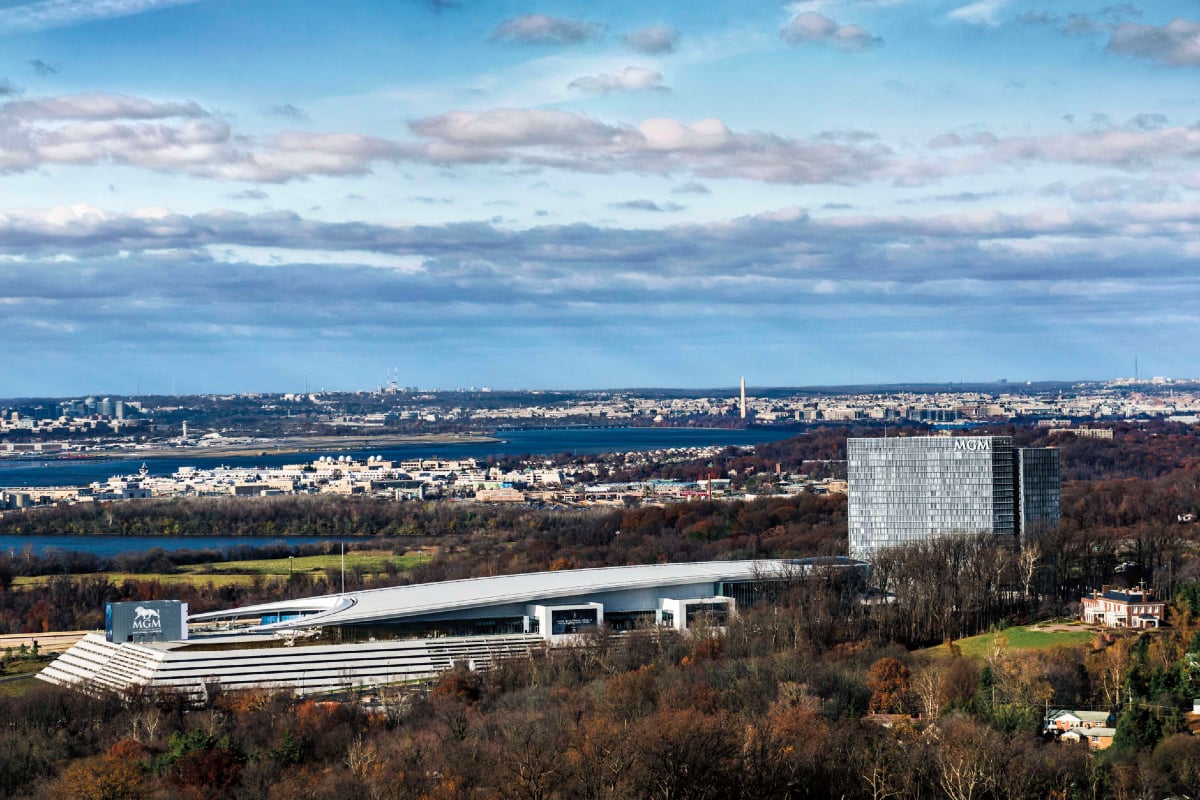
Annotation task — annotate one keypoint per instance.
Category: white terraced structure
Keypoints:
(197, 667)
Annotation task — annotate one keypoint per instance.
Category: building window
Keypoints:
(571, 620)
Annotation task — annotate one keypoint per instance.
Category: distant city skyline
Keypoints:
(222, 196)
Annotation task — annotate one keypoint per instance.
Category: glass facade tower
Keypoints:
(909, 489)
(1039, 490)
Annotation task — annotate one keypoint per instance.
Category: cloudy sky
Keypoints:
(239, 195)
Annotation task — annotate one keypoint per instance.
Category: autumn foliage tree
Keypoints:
(890, 683)
(103, 777)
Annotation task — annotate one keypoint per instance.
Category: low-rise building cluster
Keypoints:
(536, 481)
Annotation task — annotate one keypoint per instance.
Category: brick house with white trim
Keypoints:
(1123, 608)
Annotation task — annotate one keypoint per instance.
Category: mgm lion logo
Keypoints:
(146, 619)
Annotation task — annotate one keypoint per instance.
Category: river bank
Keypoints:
(577, 441)
(268, 447)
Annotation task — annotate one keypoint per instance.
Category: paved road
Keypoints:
(52, 642)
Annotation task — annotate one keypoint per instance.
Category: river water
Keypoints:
(580, 441)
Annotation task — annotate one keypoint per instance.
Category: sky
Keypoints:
(263, 195)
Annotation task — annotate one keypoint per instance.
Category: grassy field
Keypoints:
(245, 572)
(1020, 637)
(17, 687)
(17, 678)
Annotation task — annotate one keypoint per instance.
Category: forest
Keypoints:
(805, 699)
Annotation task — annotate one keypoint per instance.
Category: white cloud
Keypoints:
(1120, 190)
(1127, 149)
(809, 26)
(669, 134)
(648, 205)
(705, 147)
(817, 5)
(652, 40)
(91, 129)
(983, 12)
(33, 17)
(520, 127)
(97, 106)
(1175, 44)
(691, 187)
(628, 79)
(182, 138)
(543, 29)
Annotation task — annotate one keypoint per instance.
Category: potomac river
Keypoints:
(580, 441)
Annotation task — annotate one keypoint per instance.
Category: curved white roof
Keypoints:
(429, 598)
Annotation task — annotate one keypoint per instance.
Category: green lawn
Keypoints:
(369, 562)
(19, 686)
(162, 577)
(17, 678)
(1020, 637)
(245, 572)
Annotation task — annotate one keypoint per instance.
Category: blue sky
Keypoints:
(242, 195)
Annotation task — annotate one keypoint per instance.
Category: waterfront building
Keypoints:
(909, 489)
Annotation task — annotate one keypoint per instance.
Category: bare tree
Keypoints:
(927, 686)
(967, 755)
(1027, 562)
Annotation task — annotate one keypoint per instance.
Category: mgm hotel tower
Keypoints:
(909, 489)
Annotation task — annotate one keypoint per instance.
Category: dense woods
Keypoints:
(777, 706)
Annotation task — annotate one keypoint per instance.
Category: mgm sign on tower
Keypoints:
(145, 621)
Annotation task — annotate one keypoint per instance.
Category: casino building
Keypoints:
(387, 636)
(908, 489)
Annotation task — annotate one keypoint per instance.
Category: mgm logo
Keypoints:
(146, 620)
(973, 445)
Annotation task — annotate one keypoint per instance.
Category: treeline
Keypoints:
(796, 525)
(297, 515)
(25, 562)
(65, 603)
(777, 706)
(1122, 532)
(819, 453)
(496, 541)
(73, 599)
(1145, 449)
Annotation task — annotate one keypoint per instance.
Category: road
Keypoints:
(51, 642)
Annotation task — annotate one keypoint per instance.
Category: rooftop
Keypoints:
(406, 601)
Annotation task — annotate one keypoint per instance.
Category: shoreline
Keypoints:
(273, 447)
